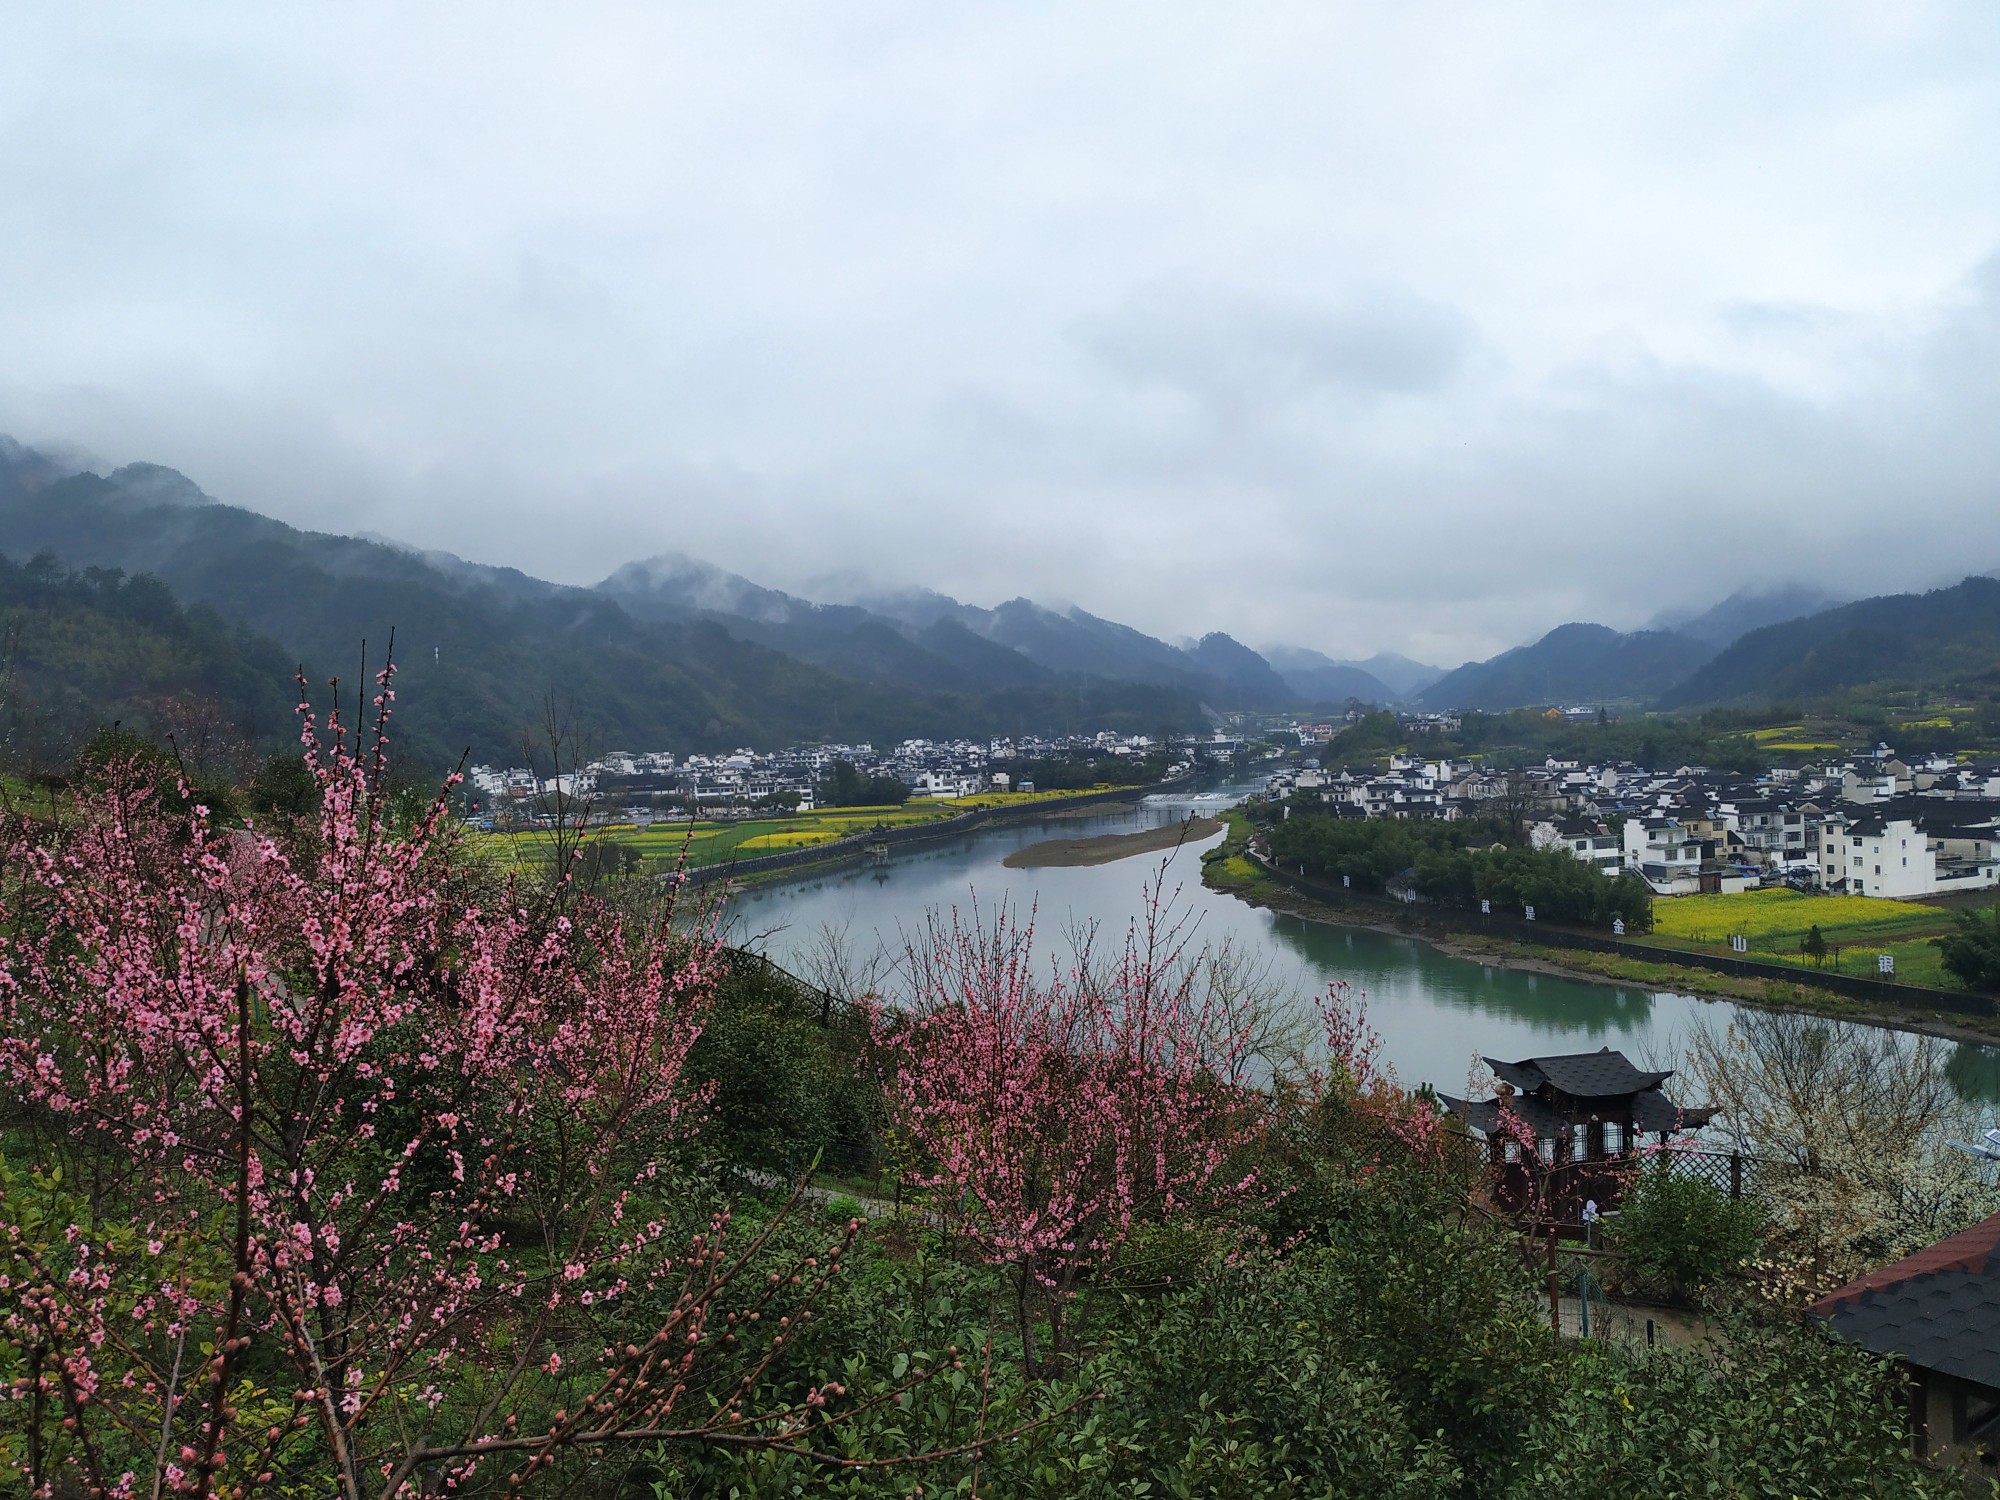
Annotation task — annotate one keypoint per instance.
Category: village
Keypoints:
(1873, 825)
(643, 787)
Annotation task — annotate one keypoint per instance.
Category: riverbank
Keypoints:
(1229, 871)
(1106, 847)
(876, 844)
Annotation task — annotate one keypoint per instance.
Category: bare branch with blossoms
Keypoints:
(1052, 1114)
(342, 1173)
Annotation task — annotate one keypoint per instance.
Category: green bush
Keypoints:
(1677, 1234)
(1972, 949)
(1767, 1408)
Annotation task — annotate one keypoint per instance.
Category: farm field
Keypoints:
(1774, 922)
(711, 841)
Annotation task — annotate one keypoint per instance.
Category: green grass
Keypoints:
(710, 841)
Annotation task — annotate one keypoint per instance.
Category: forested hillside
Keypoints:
(1947, 638)
(1572, 663)
(81, 650)
(482, 649)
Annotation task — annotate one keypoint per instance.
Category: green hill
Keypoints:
(79, 650)
(482, 650)
(1947, 639)
(1571, 664)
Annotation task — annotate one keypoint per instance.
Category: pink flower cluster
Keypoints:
(1052, 1114)
(319, 1093)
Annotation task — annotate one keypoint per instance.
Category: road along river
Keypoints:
(1434, 1010)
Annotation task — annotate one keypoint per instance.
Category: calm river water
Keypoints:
(1434, 1011)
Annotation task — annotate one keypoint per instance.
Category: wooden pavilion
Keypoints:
(1564, 1129)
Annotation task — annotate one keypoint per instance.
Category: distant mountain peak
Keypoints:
(1575, 662)
(1748, 609)
(1384, 677)
(674, 584)
(156, 484)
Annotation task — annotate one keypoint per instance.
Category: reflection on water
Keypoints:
(1434, 1011)
(1975, 1073)
(1384, 966)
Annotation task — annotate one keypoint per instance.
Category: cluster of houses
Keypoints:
(1872, 826)
(655, 783)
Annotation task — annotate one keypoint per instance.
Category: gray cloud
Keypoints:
(1410, 327)
(1242, 353)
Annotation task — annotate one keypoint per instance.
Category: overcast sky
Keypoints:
(1407, 326)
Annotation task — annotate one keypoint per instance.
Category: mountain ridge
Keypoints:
(1576, 661)
(481, 647)
(1941, 638)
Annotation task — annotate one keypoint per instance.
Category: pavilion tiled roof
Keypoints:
(1603, 1074)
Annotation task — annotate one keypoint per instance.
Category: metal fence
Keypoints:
(1731, 1172)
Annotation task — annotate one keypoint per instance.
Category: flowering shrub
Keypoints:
(328, 1171)
(1346, 1127)
(1845, 1131)
(1052, 1115)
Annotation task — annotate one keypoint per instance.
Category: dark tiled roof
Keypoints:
(1603, 1074)
(1483, 1115)
(1651, 1112)
(1938, 1309)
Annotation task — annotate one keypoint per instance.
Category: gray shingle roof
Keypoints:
(1603, 1074)
(1938, 1309)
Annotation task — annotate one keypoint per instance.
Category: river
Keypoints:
(1434, 1011)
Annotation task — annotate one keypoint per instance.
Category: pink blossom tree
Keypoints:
(1354, 1077)
(343, 1177)
(1051, 1114)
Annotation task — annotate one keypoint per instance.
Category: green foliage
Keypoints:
(1772, 1408)
(787, 1088)
(600, 860)
(282, 792)
(1677, 1234)
(1971, 951)
(847, 787)
(1813, 944)
(1081, 775)
(1375, 851)
(1367, 736)
(79, 650)
(1526, 737)
(116, 751)
(1258, 1381)
(1401, 1358)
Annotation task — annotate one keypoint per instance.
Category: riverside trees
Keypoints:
(1460, 864)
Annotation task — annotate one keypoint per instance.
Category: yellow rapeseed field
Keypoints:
(1785, 916)
(790, 838)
